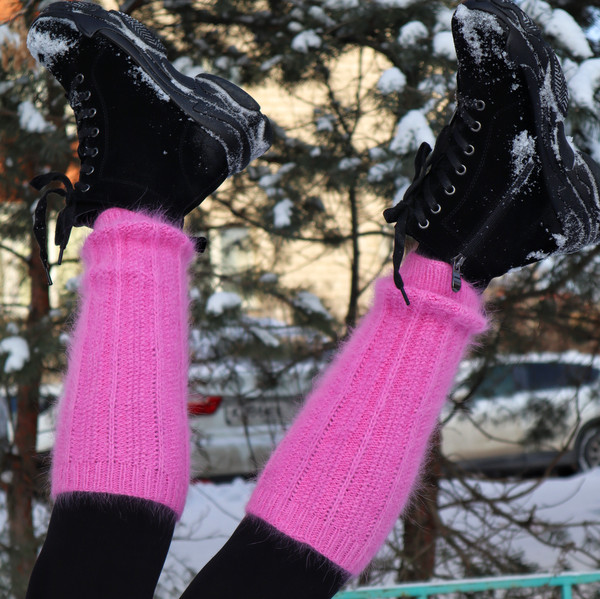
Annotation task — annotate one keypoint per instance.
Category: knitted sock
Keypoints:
(122, 431)
(334, 487)
(342, 475)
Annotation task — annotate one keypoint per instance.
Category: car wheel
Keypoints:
(588, 447)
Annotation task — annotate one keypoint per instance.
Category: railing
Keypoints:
(564, 581)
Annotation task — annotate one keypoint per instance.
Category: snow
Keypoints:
(282, 213)
(221, 301)
(349, 164)
(306, 40)
(73, 284)
(341, 4)
(584, 84)
(224, 63)
(265, 337)
(213, 511)
(539, 10)
(17, 349)
(443, 45)
(412, 130)
(318, 14)
(474, 24)
(46, 46)
(308, 302)
(267, 65)
(268, 278)
(270, 181)
(7, 36)
(443, 19)
(396, 3)
(325, 122)
(522, 152)
(567, 33)
(392, 80)
(30, 119)
(411, 33)
(186, 66)
(379, 172)
(399, 195)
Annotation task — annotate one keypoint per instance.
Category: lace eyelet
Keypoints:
(79, 78)
(436, 210)
(451, 191)
(470, 150)
(95, 132)
(480, 105)
(84, 188)
(475, 127)
(91, 113)
(89, 171)
(425, 225)
(86, 95)
(93, 152)
(461, 171)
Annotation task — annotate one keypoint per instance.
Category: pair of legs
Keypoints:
(329, 495)
(334, 487)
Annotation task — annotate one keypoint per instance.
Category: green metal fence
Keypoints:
(564, 581)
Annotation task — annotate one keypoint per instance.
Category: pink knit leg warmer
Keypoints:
(122, 422)
(342, 475)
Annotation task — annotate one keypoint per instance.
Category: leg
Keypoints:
(331, 492)
(120, 462)
(151, 141)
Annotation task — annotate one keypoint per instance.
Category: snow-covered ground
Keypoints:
(213, 511)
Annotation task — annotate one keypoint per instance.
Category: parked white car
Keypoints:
(527, 411)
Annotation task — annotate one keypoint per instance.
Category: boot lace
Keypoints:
(419, 198)
(87, 152)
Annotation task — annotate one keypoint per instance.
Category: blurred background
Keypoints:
(295, 242)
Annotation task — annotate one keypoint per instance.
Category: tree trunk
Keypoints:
(21, 490)
(421, 520)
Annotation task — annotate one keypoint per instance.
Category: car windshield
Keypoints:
(507, 379)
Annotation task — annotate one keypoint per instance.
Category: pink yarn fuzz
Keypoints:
(122, 422)
(342, 475)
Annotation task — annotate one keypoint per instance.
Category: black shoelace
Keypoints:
(419, 196)
(64, 222)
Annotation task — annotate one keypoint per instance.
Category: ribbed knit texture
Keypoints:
(345, 470)
(122, 422)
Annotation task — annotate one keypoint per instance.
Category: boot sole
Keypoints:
(214, 103)
(536, 59)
